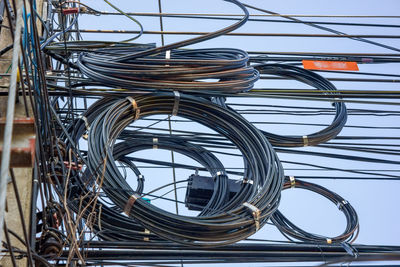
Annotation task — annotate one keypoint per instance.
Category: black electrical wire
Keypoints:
(196, 70)
(113, 225)
(316, 81)
(232, 222)
(286, 227)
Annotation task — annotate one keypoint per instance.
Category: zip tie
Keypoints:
(335, 100)
(177, 96)
(167, 56)
(147, 232)
(329, 241)
(219, 173)
(99, 219)
(305, 140)
(292, 181)
(129, 204)
(340, 204)
(256, 214)
(247, 181)
(140, 177)
(86, 122)
(155, 143)
(135, 107)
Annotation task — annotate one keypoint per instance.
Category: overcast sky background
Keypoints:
(375, 201)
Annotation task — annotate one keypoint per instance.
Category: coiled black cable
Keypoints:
(111, 225)
(239, 218)
(316, 81)
(196, 70)
(286, 227)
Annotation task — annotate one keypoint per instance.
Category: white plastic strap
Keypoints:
(147, 232)
(177, 96)
(256, 214)
(86, 122)
(141, 177)
(305, 140)
(219, 173)
(247, 181)
(340, 204)
(155, 143)
(292, 181)
(167, 56)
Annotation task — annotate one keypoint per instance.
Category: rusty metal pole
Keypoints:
(12, 92)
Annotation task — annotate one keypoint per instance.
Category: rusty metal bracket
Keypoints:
(23, 142)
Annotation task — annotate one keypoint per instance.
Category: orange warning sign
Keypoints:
(329, 65)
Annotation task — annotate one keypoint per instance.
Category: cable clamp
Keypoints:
(135, 107)
(147, 232)
(292, 181)
(129, 204)
(85, 120)
(305, 140)
(255, 212)
(177, 96)
(155, 143)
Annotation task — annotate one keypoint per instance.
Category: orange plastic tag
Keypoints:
(329, 65)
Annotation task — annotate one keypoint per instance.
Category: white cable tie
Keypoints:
(86, 122)
(141, 177)
(335, 100)
(292, 181)
(155, 143)
(247, 181)
(135, 107)
(167, 56)
(255, 212)
(177, 96)
(340, 204)
(147, 232)
(219, 173)
(305, 140)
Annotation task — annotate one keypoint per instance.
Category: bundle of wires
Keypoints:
(112, 225)
(287, 228)
(318, 82)
(195, 70)
(230, 221)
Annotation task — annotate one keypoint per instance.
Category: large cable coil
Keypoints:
(196, 70)
(318, 82)
(234, 220)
